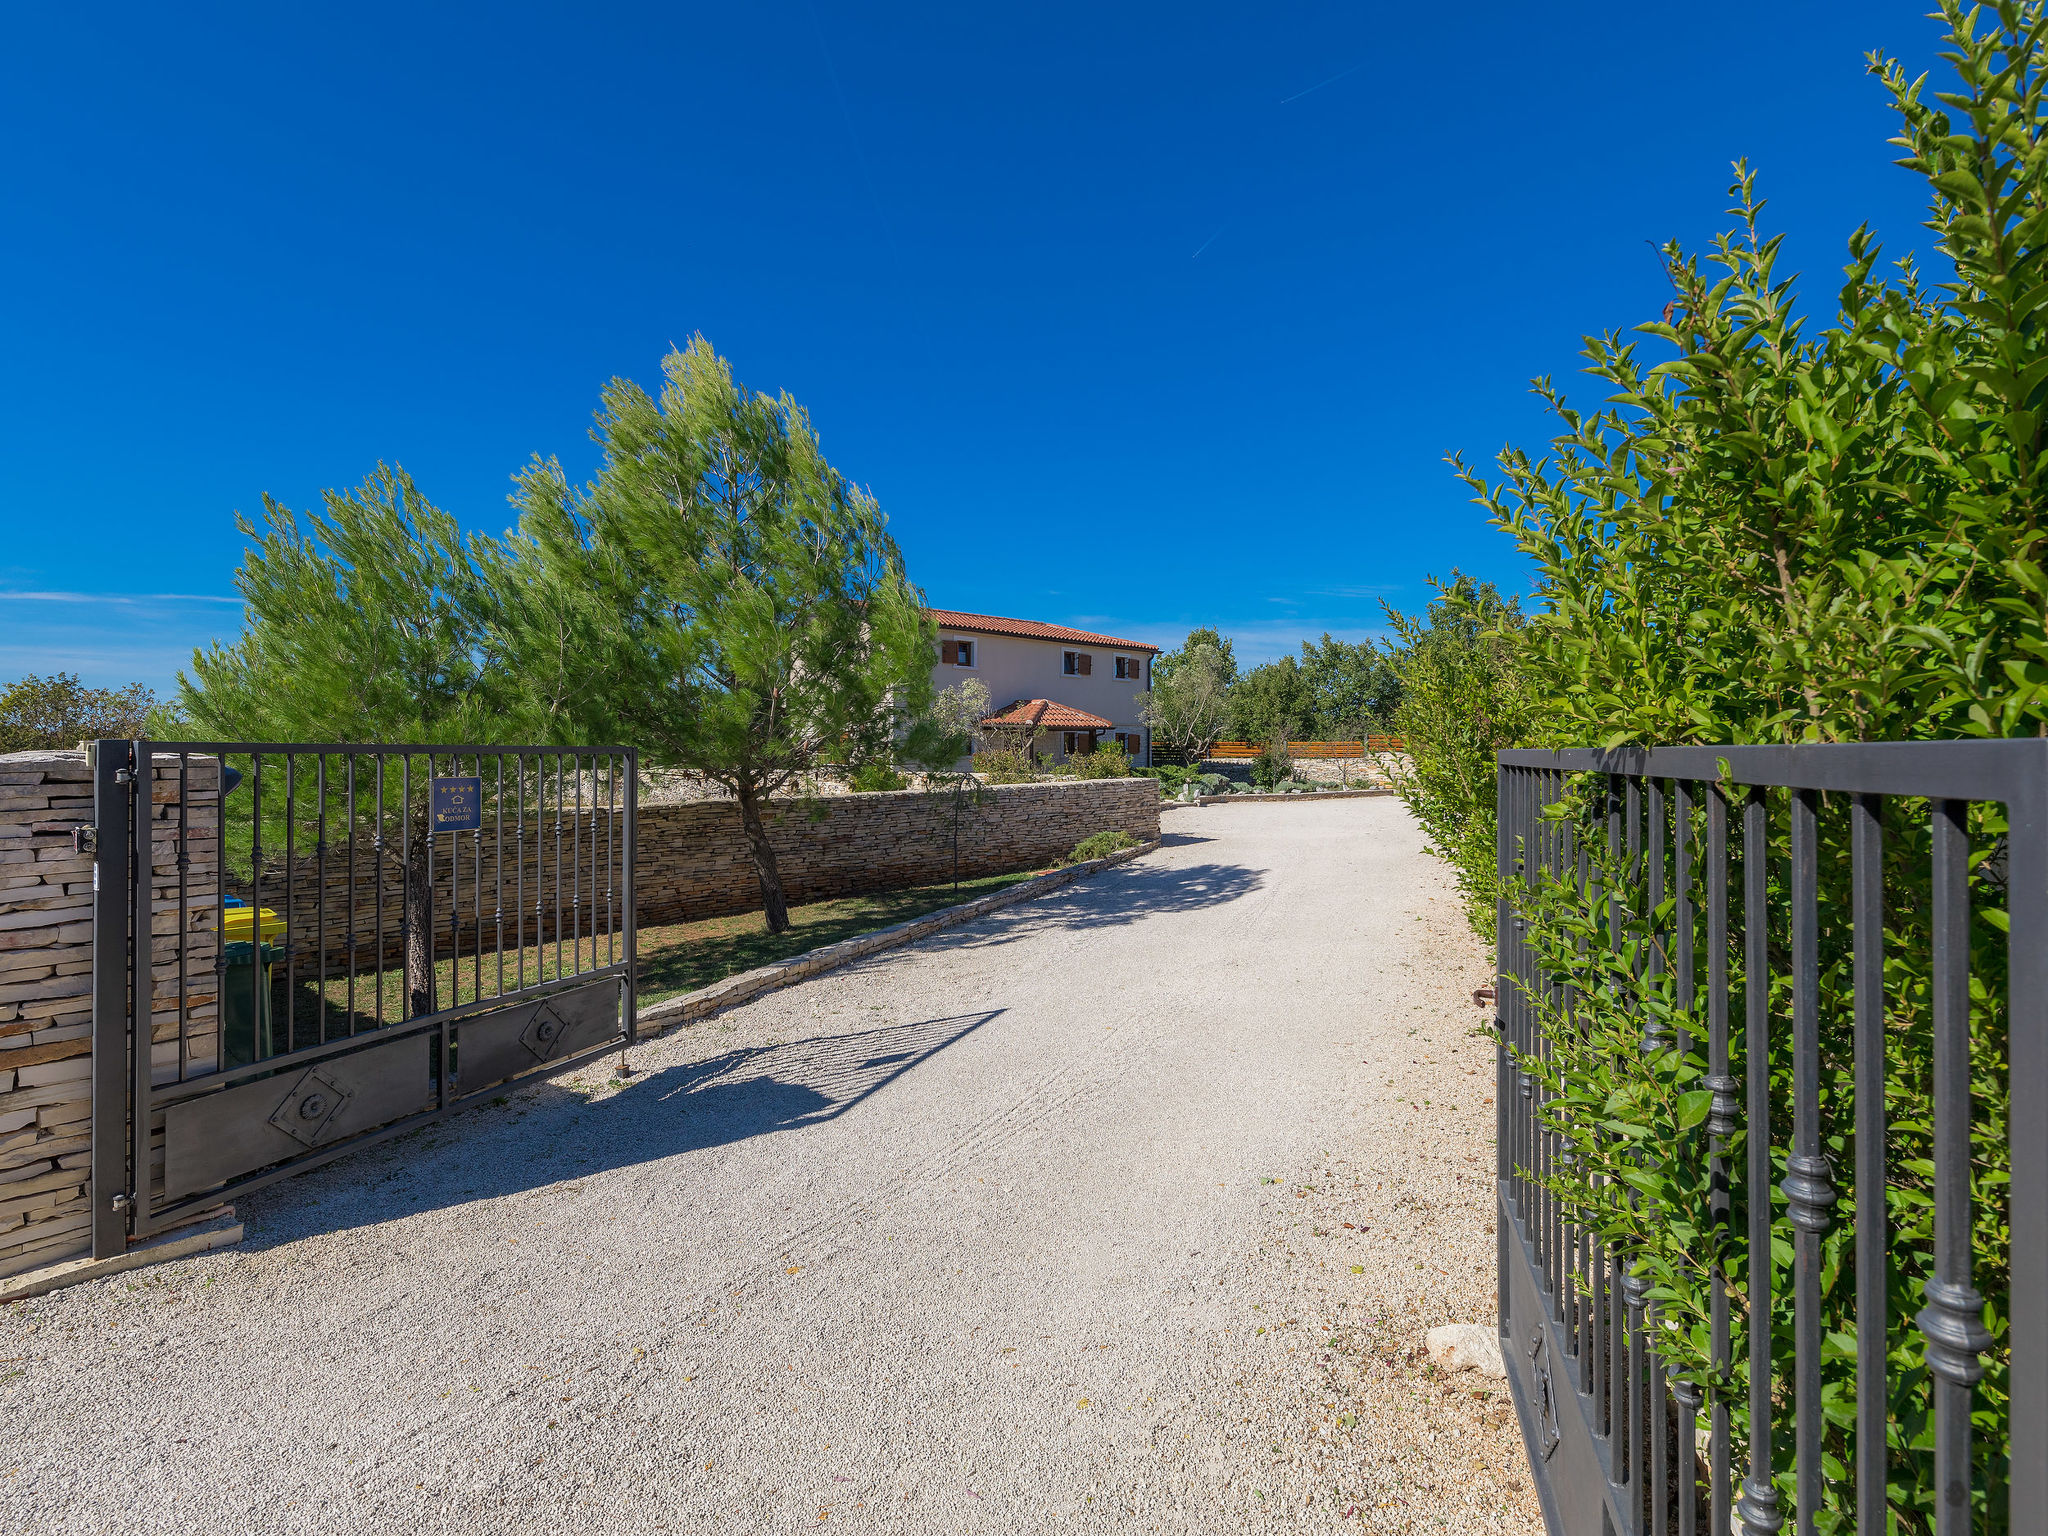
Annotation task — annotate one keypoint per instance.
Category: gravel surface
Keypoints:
(1125, 1209)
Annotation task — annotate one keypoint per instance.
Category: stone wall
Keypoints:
(46, 984)
(693, 862)
(1340, 772)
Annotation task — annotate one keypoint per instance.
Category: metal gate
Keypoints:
(1839, 1157)
(299, 950)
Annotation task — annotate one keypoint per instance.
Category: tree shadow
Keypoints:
(1115, 898)
(547, 1132)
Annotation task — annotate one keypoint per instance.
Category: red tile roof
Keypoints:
(1046, 715)
(1030, 629)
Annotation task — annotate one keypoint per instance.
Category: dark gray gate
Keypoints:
(302, 949)
(1612, 1425)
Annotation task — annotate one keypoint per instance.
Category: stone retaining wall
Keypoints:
(46, 985)
(1344, 772)
(693, 861)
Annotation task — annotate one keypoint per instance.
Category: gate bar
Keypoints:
(110, 817)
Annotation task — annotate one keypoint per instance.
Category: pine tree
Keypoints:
(720, 596)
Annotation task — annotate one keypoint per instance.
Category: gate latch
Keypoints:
(85, 840)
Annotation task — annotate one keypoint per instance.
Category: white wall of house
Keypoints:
(1014, 668)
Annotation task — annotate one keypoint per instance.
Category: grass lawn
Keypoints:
(681, 957)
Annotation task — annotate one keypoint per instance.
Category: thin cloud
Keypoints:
(126, 598)
(1354, 69)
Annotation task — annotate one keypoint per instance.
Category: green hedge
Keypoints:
(1780, 530)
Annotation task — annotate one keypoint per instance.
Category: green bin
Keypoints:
(245, 1004)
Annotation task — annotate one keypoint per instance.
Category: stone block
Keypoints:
(49, 1074)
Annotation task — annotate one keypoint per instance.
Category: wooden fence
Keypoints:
(1311, 748)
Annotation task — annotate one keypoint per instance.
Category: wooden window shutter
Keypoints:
(1087, 664)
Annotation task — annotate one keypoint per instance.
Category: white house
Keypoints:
(1080, 688)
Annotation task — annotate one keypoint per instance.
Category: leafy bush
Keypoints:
(60, 711)
(1274, 765)
(1172, 777)
(1786, 533)
(1004, 766)
(871, 777)
(1100, 845)
(1465, 699)
(1105, 762)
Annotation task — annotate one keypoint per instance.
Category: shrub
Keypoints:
(1106, 762)
(1172, 777)
(1274, 765)
(1100, 845)
(1794, 532)
(1005, 766)
(1465, 699)
(868, 778)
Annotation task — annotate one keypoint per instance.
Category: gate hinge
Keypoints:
(122, 1202)
(124, 775)
(85, 840)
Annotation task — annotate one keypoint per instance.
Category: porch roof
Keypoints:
(1047, 715)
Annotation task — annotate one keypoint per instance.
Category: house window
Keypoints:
(1133, 742)
(1078, 664)
(1129, 669)
(960, 652)
(1073, 740)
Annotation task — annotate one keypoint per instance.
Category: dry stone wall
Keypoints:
(693, 862)
(46, 983)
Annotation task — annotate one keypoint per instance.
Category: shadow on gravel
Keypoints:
(1181, 839)
(543, 1135)
(1111, 899)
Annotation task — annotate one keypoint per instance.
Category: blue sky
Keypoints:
(1134, 317)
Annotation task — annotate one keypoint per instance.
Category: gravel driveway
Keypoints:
(1120, 1210)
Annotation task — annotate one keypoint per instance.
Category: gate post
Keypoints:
(113, 810)
(631, 853)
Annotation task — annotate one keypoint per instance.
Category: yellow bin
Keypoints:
(239, 920)
(246, 1032)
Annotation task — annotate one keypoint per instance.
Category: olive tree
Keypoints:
(1189, 704)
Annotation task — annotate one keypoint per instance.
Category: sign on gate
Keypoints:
(458, 804)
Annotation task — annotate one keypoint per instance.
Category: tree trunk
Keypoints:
(772, 902)
(419, 904)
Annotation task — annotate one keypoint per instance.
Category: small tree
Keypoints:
(359, 625)
(60, 711)
(720, 596)
(1190, 700)
(954, 717)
